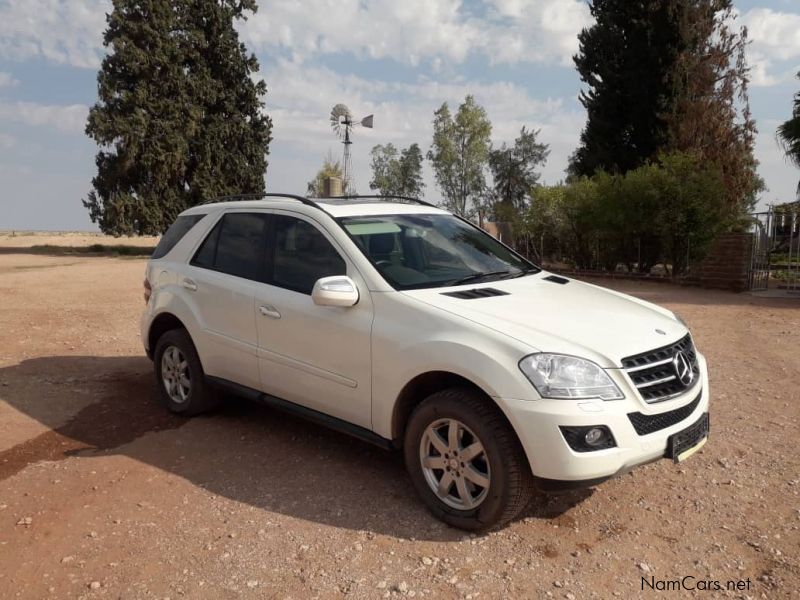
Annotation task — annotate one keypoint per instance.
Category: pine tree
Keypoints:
(179, 118)
(626, 59)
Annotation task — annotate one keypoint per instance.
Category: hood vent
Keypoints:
(557, 279)
(475, 293)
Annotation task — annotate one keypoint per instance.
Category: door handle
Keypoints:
(189, 284)
(269, 311)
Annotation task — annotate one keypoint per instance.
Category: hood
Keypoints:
(572, 318)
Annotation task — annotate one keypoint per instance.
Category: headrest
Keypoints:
(381, 243)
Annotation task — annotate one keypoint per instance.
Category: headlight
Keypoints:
(560, 376)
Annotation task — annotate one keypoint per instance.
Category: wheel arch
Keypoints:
(422, 386)
(164, 322)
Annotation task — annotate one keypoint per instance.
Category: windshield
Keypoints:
(419, 251)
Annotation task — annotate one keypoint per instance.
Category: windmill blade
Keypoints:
(341, 118)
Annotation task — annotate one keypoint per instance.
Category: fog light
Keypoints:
(588, 438)
(594, 436)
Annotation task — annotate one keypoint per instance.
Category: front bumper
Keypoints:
(556, 465)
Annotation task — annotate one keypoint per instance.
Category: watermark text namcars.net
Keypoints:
(692, 583)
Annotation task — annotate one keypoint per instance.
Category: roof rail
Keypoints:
(308, 202)
(240, 197)
(376, 197)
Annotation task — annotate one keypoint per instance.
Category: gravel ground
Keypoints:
(104, 494)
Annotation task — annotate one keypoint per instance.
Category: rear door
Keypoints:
(315, 356)
(222, 278)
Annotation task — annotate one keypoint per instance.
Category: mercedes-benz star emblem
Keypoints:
(683, 370)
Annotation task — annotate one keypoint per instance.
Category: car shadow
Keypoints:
(244, 451)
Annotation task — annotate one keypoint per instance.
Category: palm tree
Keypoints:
(789, 134)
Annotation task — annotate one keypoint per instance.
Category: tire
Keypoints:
(497, 482)
(175, 347)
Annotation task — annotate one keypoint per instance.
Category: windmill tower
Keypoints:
(342, 123)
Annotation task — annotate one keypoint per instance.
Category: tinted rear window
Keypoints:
(175, 234)
(235, 246)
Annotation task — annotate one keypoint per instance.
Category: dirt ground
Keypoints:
(104, 494)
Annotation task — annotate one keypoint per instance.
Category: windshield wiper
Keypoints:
(524, 272)
(476, 276)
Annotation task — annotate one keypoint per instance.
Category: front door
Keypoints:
(315, 356)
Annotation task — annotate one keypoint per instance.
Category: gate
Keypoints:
(775, 260)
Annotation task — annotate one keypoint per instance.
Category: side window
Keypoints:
(208, 249)
(302, 255)
(175, 234)
(235, 246)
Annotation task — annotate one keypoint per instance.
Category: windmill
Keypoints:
(342, 123)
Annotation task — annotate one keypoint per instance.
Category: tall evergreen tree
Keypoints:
(179, 118)
(626, 59)
(710, 117)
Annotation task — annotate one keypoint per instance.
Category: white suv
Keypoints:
(409, 327)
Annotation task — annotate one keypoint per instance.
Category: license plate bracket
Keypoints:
(683, 444)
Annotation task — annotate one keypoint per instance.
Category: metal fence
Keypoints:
(775, 261)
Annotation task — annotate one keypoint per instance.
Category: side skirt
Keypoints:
(308, 414)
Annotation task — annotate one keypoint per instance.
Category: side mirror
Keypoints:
(338, 290)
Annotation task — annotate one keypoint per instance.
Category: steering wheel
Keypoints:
(383, 263)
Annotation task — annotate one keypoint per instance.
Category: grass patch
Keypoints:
(92, 249)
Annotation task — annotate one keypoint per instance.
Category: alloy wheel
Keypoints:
(175, 374)
(454, 463)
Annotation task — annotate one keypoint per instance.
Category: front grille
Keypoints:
(657, 373)
(644, 424)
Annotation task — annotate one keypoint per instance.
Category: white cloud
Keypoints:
(774, 54)
(780, 174)
(301, 96)
(536, 30)
(60, 31)
(67, 119)
(413, 31)
(7, 80)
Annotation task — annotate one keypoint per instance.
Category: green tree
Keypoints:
(514, 168)
(667, 211)
(330, 168)
(396, 174)
(692, 211)
(626, 59)
(179, 118)
(541, 229)
(789, 134)
(459, 155)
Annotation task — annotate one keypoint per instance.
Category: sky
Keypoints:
(397, 60)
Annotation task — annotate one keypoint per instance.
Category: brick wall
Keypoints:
(727, 265)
